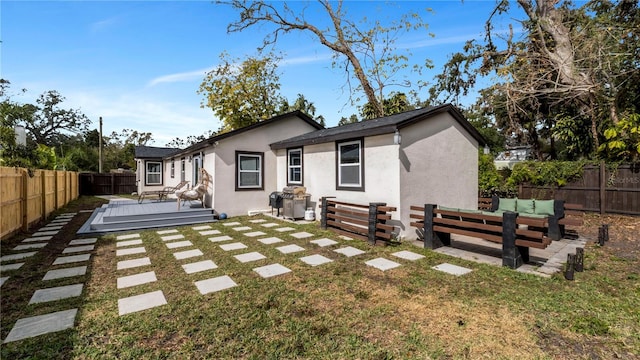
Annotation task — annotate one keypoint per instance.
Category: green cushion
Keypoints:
(544, 207)
(539, 216)
(525, 206)
(470, 211)
(447, 208)
(507, 204)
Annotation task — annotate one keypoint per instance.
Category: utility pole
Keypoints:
(100, 148)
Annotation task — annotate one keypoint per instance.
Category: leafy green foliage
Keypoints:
(545, 173)
(622, 140)
(490, 181)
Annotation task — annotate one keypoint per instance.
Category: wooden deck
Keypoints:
(126, 215)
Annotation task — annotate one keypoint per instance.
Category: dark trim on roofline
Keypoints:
(210, 141)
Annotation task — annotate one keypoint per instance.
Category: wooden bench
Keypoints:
(564, 214)
(516, 233)
(358, 221)
(162, 194)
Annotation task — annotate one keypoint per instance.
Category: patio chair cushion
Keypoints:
(544, 207)
(507, 204)
(525, 206)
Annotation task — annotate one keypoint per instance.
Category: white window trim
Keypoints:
(289, 166)
(260, 158)
(147, 172)
(359, 185)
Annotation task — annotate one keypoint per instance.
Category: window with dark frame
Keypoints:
(350, 169)
(249, 170)
(182, 169)
(173, 168)
(294, 166)
(153, 173)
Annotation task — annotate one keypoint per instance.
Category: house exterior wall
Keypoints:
(381, 176)
(438, 165)
(239, 202)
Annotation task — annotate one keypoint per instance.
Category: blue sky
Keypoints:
(138, 64)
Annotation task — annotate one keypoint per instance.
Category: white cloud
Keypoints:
(180, 77)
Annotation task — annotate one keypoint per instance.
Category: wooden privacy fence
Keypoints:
(25, 200)
(107, 183)
(364, 222)
(599, 189)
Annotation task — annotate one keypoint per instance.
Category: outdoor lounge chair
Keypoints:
(197, 192)
(162, 194)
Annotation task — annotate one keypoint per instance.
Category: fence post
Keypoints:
(113, 183)
(512, 255)
(24, 199)
(603, 189)
(43, 193)
(373, 221)
(323, 211)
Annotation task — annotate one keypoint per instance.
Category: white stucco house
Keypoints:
(428, 155)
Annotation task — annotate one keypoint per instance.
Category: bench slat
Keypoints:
(493, 238)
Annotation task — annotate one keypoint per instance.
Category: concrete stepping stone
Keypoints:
(56, 293)
(288, 249)
(254, 234)
(130, 251)
(324, 242)
(141, 302)
(257, 221)
(215, 284)
(127, 236)
(86, 241)
(42, 324)
(172, 237)
(71, 259)
(345, 238)
(17, 256)
(210, 232)
(270, 240)
(137, 279)
(64, 273)
(220, 238)
(270, 225)
(29, 246)
(129, 243)
(3, 280)
(58, 221)
(233, 223)
(242, 228)
(187, 254)
(51, 228)
(128, 264)
(37, 238)
(75, 249)
(285, 229)
(382, 264)
(179, 244)
(248, 257)
(271, 270)
(10, 267)
(199, 266)
(349, 251)
(315, 260)
(233, 246)
(165, 232)
(66, 215)
(452, 269)
(203, 227)
(301, 235)
(45, 233)
(408, 255)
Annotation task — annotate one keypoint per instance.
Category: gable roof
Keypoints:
(203, 144)
(378, 126)
(152, 152)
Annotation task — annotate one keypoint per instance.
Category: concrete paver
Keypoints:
(170, 231)
(382, 264)
(172, 237)
(285, 229)
(215, 284)
(56, 293)
(75, 249)
(130, 251)
(271, 270)
(29, 246)
(315, 260)
(41, 324)
(37, 238)
(254, 234)
(408, 255)
(288, 249)
(10, 267)
(3, 280)
(19, 256)
(86, 241)
(349, 251)
(452, 269)
(301, 235)
(44, 233)
(233, 223)
(128, 264)
(180, 255)
(127, 236)
(270, 225)
(242, 228)
(71, 259)
(141, 302)
(248, 257)
(136, 279)
(324, 242)
(199, 266)
(179, 244)
(209, 232)
(129, 242)
(220, 238)
(66, 272)
(270, 240)
(202, 227)
(233, 246)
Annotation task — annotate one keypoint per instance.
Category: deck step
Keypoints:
(168, 220)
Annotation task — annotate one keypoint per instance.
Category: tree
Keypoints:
(622, 140)
(365, 51)
(578, 65)
(180, 143)
(303, 105)
(394, 104)
(352, 119)
(242, 92)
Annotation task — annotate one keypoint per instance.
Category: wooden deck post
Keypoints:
(432, 239)
(373, 221)
(512, 256)
(323, 211)
(556, 231)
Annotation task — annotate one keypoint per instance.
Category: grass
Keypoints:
(343, 309)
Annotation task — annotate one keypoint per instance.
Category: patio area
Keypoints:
(122, 214)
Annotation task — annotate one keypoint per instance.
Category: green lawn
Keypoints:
(338, 310)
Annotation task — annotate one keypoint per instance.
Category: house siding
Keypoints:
(439, 165)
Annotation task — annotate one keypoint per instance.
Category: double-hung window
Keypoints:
(294, 166)
(173, 168)
(154, 173)
(350, 165)
(249, 170)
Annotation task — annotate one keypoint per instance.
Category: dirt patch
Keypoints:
(623, 234)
